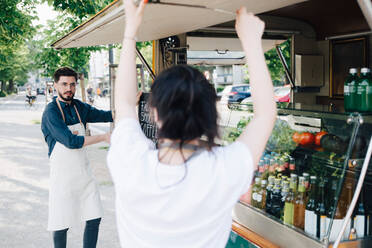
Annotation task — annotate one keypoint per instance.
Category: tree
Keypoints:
(15, 28)
(273, 62)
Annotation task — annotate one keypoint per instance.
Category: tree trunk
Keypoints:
(3, 86)
(11, 86)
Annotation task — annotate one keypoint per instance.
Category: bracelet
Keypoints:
(129, 38)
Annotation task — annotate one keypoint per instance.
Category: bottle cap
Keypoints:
(257, 180)
(353, 70)
(364, 70)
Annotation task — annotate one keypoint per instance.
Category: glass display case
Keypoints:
(307, 176)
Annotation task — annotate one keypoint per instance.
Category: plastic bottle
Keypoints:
(350, 90)
(364, 91)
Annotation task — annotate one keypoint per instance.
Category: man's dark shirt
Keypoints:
(55, 129)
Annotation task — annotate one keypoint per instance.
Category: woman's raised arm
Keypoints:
(126, 81)
(250, 29)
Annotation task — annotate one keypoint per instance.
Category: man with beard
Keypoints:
(73, 193)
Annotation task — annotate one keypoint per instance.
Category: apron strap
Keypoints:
(63, 115)
(78, 115)
(60, 109)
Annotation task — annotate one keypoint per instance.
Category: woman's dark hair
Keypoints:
(186, 105)
(64, 71)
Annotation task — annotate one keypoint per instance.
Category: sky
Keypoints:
(45, 12)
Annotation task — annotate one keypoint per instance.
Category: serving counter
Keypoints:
(325, 145)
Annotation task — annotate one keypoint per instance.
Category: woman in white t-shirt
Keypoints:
(182, 194)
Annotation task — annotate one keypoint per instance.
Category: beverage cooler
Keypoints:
(306, 180)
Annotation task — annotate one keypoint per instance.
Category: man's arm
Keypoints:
(97, 115)
(90, 140)
(59, 131)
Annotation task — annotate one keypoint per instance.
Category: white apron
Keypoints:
(73, 192)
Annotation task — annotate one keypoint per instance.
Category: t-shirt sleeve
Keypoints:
(239, 166)
(128, 142)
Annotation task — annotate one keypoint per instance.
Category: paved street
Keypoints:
(24, 178)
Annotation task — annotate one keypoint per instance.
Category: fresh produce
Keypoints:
(333, 143)
(281, 138)
(319, 136)
(296, 137)
(307, 139)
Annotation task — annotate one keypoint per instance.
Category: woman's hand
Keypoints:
(133, 17)
(249, 27)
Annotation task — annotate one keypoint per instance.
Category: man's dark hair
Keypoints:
(186, 105)
(64, 71)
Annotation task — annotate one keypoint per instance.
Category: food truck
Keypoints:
(303, 194)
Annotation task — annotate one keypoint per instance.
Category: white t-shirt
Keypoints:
(194, 212)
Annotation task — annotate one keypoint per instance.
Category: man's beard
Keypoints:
(69, 98)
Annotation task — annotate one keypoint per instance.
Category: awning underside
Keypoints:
(161, 21)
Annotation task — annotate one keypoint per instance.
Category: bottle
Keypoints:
(288, 205)
(276, 199)
(292, 165)
(256, 187)
(350, 90)
(307, 183)
(261, 168)
(310, 216)
(364, 92)
(262, 193)
(285, 191)
(272, 167)
(300, 205)
(268, 194)
(360, 220)
(339, 211)
(281, 168)
(321, 212)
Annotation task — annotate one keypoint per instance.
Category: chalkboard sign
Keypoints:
(144, 117)
(236, 241)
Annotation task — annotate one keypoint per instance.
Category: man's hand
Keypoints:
(138, 96)
(107, 137)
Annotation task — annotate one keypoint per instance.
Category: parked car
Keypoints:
(233, 94)
(40, 91)
(282, 94)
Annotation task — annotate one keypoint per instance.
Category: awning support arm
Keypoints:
(366, 7)
(285, 66)
(144, 62)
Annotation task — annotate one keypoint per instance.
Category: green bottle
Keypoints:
(364, 91)
(289, 201)
(269, 189)
(350, 91)
(256, 200)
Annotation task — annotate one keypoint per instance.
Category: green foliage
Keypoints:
(2, 94)
(232, 133)
(80, 9)
(15, 29)
(50, 59)
(220, 88)
(273, 62)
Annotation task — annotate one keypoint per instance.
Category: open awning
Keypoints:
(161, 20)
